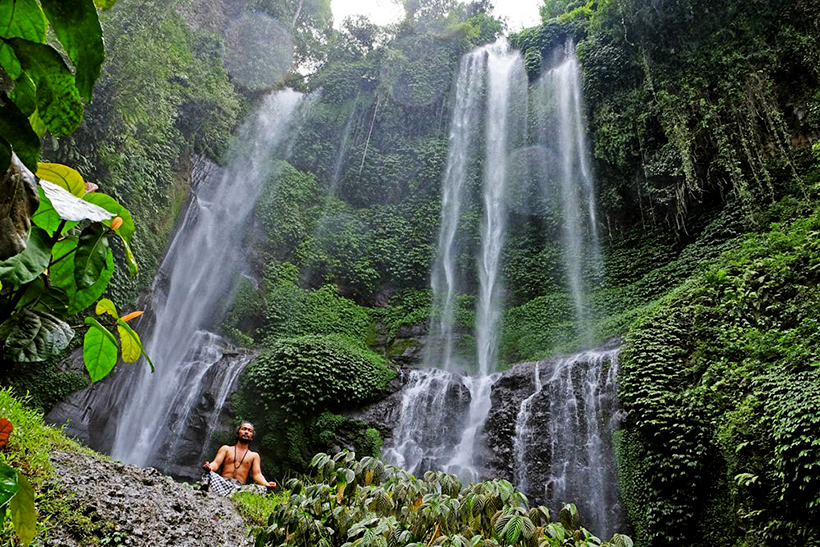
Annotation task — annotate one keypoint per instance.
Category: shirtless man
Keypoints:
(238, 461)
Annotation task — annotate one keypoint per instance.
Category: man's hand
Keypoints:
(206, 465)
(271, 484)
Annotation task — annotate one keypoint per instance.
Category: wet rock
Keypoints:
(142, 509)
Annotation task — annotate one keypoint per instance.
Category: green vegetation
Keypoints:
(29, 446)
(720, 380)
(256, 509)
(292, 388)
(354, 503)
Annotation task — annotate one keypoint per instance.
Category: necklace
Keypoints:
(237, 465)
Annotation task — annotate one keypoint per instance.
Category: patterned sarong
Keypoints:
(223, 486)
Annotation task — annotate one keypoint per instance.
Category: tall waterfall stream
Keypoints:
(450, 414)
(149, 419)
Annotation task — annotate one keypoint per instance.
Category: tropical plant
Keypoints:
(363, 503)
(46, 94)
(65, 267)
(16, 493)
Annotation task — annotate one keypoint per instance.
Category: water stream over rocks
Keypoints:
(165, 419)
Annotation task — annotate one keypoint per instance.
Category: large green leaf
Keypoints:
(16, 129)
(9, 61)
(58, 100)
(8, 484)
(22, 19)
(99, 350)
(23, 513)
(26, 266)
(34, 336)
(33, 292)
(24, 96)
(126, 231)
(19, 19)
(70, 207)
(47, 218)
(61, 275)
(89, 260)
(77, 26)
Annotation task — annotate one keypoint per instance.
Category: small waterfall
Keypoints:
(578, 414)
(525, 433)
(418, 444)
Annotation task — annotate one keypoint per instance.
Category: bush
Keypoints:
(292, 388)
(361, 503)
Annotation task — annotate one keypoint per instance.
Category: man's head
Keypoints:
(245, 432)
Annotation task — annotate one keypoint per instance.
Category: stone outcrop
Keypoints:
(142, 506)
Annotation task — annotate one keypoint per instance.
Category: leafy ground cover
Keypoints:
(356, 503)
(28, 449)
(721, 380)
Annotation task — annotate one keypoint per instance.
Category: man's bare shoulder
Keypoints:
(224, 448)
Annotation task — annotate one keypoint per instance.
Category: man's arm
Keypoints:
(217, 463)
(256, 472)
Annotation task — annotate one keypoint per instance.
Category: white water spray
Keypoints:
(199, 267)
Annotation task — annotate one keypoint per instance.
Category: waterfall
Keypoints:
(559, 91)
(559, 449)
(488, 80)
(578, 414)
(166, 419)
(444, 279)
(199, 267)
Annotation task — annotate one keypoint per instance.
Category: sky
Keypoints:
(519, 13)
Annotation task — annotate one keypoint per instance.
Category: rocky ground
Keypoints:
(143, 507)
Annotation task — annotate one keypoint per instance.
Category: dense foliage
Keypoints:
(359, 503)
(691, 100)
(292, 389)
(720, 380)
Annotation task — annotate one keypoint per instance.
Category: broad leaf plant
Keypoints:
(67, 262)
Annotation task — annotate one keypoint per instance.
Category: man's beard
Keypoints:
(240, 440)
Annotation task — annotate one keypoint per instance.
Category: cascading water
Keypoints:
(564, 133)
(487, 80)
(560, 449)
(165, 419)
(578, 414)
(525, 433)
(436, 390)
(200, 265)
